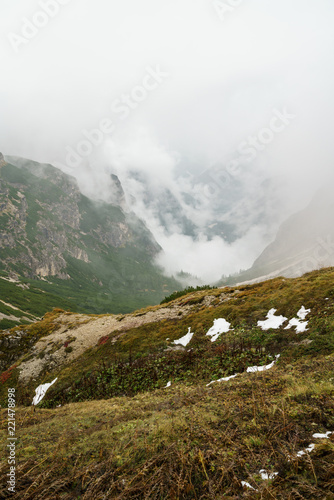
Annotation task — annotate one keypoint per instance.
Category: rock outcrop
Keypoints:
(2, 160)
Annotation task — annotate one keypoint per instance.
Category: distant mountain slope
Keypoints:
(304, 242)
(93, 256)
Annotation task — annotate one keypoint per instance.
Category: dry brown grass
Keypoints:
(184, 442)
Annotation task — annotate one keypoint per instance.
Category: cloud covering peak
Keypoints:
(187, 102)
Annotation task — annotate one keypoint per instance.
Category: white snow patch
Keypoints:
(301, 326)
(310, 448)
(272, 321)
(265, 476)
(225, 379)
(322, 436)
(253, 369)
(220, 325)
(185, 340)
(307, 450)
(302, 313)
(41, 391)
(168, 385)
(250, 369)
(244, 483)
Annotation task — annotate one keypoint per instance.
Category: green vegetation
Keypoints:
(189, 289)
(204, 362)
(7, 324)
(32, 300)
(97, 214)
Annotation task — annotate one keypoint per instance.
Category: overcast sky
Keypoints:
(177, 87)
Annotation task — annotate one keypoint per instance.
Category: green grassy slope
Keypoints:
(32, 302)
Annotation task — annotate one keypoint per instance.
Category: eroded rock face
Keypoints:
(118, 195)
(11, 348)
(2, 160)
(45, 221)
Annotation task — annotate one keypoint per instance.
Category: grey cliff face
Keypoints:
(45, 219)
(2, 160)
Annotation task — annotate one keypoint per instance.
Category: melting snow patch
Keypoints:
(168, 385)
(252, 369)
(184, 340)
(312, 446)
(322, 436)
(41, 391)
(272, 321)
(220, 325)
(225, 379)
(265, 476)
(244, 483)
(302, 313)
(297, 322)
(308, 450)
(300, 325)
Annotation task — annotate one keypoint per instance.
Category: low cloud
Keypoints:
(218, 81)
